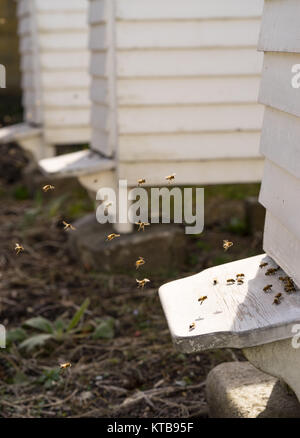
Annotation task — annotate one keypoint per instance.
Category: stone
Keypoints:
(239, 390)
(163, 247)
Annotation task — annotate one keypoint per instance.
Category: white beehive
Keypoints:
(54, 64)
(280, 193)
(175, 86)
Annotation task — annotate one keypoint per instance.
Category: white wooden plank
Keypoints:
(189, 118)
(67, 134)
(99, 90)
(99, 65)
(276, 88)
(187, 147)
(196, 62)
(280, 140)
(63, 21)
(236, 316)
(61, 5)
(280, 195)
(97, 11)
(280, 31)
(66, 117)
(25, 25)
(193, 172)
(98, 37)
(177, 34)
(100, 117)
(18, 132)
(67, 98)
(75, 164)
(59, 79)
(65, 60)
(283, 246)
(23, 7)
(187, 90)
(64, 41)
(177, 9)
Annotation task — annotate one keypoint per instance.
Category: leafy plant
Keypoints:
(105, 328)
(57, 331)
(49, 377)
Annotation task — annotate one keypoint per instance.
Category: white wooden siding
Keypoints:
(185, 81)
(280, 30)
(55, 64)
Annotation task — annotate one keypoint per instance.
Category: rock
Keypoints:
(162, 246)
(239, 390)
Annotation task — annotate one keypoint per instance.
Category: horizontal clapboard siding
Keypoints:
(54, 65)
(280, 31)
(280, 195)
(276, 85)
(185, 84)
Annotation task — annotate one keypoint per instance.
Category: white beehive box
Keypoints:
(174, 88)
(54, 64)
(280, 192)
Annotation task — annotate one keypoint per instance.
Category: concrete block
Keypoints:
(239, 390)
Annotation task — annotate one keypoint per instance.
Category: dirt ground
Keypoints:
(132, 368)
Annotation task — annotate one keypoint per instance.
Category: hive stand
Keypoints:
(237, 316)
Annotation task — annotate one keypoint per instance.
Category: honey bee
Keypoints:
(202, 299)
(112, 236)
(18, 248)
(227, 244)
(141, 283)
(278, 295)
(48, 187)
(64, 366)
(240, 281)
(262, 265)
(230, 280)
(240, 275)
(215, 282)
(283, 279)
(139, 262)
(141, 181)
(290, 288)
(276, 300)
(192, 326)
(68, 226)
(142, 225)
(170, 178)
(268, 287)
(271, 271)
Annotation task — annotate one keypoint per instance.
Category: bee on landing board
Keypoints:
(271, 271)
(227, 244)
(112, 236)
(170, 178)
(230, 281)
(48, 187)
(68, 226)
(262, 265)
(139, 262)
(202, 299)
(192, 326)
(277, 299)
(215, 282)
(142, 225)
(18, 248)
(142, 283)
(267, 288)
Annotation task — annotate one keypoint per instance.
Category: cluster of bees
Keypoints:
(289, 285)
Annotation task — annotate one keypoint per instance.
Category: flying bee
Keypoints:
(141, 181)
(192, 326)
(48, 187)
(18, 248)
(230, 281)
(139, 262)
(170, 178)
(202, 299)
(141, 283)
(268, 287)
(262, 265)
(215, 282)
(271, 271)
(142, 225)
(227, 244)
(112, 236)
(64, 366)
(68, 226)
